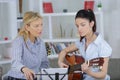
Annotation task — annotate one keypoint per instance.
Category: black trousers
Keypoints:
(12, 78)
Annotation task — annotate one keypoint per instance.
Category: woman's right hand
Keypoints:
(29, 74)
(62, 65)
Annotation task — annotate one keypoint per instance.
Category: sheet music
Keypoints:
(53, 71)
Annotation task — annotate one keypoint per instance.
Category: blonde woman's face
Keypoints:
(35, 28)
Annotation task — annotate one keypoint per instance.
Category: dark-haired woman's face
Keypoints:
(84, 26)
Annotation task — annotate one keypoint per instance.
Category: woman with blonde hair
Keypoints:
(28, 50)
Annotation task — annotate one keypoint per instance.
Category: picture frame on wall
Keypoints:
(89, 4)
(47, 7)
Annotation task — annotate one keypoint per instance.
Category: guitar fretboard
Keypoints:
(73, 68)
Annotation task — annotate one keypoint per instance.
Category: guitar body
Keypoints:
(72, 60)
(75, 62)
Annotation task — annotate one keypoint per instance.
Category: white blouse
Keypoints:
(98, 48)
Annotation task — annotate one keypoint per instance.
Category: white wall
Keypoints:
(8, 19)
(111, 9)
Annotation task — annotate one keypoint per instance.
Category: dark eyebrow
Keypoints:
(82, 23)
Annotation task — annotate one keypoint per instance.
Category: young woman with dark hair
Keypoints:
(91, 45)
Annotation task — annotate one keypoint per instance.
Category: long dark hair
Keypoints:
(89, 15)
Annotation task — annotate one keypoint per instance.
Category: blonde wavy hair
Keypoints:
(29, 17)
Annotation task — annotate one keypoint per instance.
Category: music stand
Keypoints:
(54, 74)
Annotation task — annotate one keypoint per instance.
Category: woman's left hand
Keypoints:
(29, 74)
(85, 67)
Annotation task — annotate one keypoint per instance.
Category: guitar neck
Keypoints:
(73, 68)
(94, 62)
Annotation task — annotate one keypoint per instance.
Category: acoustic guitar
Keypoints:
(75, 62)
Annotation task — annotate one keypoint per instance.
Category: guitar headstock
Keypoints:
(96, 61)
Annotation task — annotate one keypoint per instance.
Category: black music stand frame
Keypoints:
(56, 75)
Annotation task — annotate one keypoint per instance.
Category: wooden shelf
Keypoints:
(59, 14)
(19, 19)
(66, 14)
(5, 41)
(5, 61)
(59, 40)
(4, 1)
(52, 56)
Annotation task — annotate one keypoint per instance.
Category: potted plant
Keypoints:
(99, 6)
